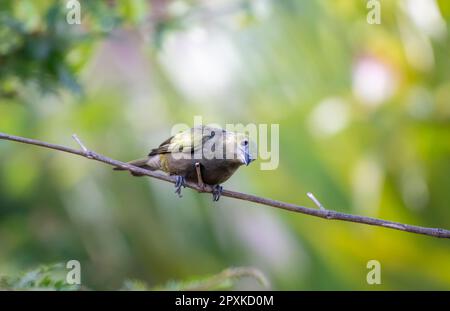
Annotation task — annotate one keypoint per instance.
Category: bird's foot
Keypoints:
(217, 192)
(179, 183)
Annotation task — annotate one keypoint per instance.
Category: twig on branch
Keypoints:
(317, 202)
(321, 212)
(83, 147)
(200, 182)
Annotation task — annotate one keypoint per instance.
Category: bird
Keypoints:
(217, 152)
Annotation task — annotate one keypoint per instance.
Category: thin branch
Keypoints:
(229, 274)
(322, 213)
(200, 182)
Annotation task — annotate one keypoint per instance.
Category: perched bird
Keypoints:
(218, 152)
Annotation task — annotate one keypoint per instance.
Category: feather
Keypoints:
(185, 142)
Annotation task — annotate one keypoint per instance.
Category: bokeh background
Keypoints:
(364, 115)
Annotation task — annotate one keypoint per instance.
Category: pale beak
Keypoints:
(247, 157)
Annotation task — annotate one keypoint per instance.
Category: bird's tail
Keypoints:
(139, 163)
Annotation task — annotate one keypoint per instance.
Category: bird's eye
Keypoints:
(212, 134)
(245, 142)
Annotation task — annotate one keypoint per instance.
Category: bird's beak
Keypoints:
(247, 157)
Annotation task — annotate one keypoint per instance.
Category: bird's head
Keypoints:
(242, 147)
(229, 145)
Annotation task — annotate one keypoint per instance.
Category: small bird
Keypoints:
(217, 152)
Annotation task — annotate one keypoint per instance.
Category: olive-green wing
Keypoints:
(187, 142)
(163, 148)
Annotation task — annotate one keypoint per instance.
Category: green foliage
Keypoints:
(36, 53)
(45, 277)
(38, 46)
(53, 277)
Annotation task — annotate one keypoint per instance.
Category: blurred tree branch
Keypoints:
(322, 212)
(221, 281)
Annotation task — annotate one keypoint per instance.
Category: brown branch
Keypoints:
(322, 213)
(229, 274)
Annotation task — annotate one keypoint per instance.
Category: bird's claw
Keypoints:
(179, 183)
(217, 192)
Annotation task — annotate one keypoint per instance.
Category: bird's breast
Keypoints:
(216, 171)
(213, 171)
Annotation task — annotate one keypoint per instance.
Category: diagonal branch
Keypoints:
(322, 213)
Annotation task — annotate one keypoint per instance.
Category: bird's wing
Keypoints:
(187, 142)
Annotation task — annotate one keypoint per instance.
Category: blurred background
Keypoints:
(364, 115)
